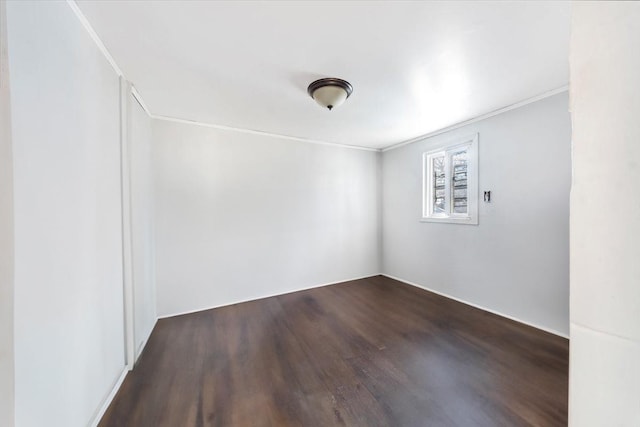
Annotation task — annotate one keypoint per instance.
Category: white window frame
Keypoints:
(446, 149)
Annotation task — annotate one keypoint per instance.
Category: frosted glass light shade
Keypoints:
(330, 96)
(330, 92)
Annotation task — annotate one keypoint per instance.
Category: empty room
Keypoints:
(319, 213)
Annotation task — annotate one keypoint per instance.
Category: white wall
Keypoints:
(605, 215)
(69, 344)
(6, 237)
(143, 251)
(516, 261)
(241, 216)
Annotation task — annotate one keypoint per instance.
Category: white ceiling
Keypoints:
(416, 67)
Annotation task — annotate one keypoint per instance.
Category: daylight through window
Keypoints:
(451, 183)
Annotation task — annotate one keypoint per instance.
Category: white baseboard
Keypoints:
(105, 405)
(533, 325)
(164, 316)
(144, 343)
(107, 401)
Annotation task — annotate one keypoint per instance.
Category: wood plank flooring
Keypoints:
(371, 352)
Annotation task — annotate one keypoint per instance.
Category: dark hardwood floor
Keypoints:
(371, 352)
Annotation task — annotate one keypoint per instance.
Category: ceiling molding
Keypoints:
(87, 26)
(527, 101)
(263, 133)
(138, 98)
(105, 52)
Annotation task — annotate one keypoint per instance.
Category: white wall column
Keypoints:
(67, 249)
(605, 215)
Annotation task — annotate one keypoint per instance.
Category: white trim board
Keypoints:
(454, 126)
(127, 236)
(493, 113)
(107, 401)
(166, 316)
(515, 319)
(116, 387)
(105, 52)
(140, 350)
(87, 25)
(138, 97)
(263, 133)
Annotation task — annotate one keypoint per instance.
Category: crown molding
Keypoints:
(105, 52)
(262, 133)
(517, 105)
(138, 97)
(96, 39)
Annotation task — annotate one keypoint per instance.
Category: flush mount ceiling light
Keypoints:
(330, 92)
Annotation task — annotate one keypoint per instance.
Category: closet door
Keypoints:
(144, 297)
(137, 220)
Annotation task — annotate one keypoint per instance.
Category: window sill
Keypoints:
(451, 220)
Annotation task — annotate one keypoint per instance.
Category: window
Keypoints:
(450, 180)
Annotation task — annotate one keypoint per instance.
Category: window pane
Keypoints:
(459, 163)
(437, 166)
